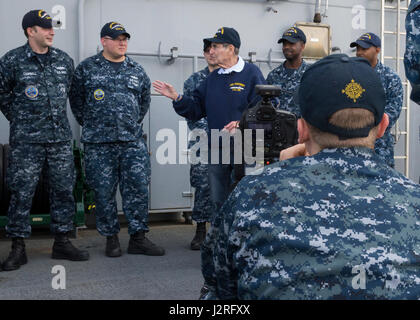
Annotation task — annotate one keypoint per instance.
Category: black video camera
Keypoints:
(280, 128)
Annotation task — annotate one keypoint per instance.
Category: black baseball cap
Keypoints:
(293, 35)
(338, 82)
(37, 18)
(206, 44)
(367, 40)
(226, 35)
(113, 30)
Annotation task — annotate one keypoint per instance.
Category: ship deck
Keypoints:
(174, 276)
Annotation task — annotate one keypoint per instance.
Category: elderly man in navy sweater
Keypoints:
(222, 97)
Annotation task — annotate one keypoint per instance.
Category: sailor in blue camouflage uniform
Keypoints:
(335, 222)
(412, 51)
(203, 209)
(289, 73)
(110, 96)
(34, 84)
(368, 47)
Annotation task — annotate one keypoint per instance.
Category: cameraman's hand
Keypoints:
(231, 127)
(165, 89)
(298, 150)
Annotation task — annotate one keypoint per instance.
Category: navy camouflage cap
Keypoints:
(367, 40)
(37, 18)
(339, 82)
(293, 35)
(113, 30)
(226, 35)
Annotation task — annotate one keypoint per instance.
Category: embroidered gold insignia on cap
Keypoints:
(366, 35)
(43, 15)
(353, 91)
(221, 31)
(116, 26)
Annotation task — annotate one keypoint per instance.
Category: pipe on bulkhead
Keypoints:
(317, 17)
(81, 26)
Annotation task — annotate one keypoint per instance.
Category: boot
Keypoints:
(113, 248)
(139, 244)
(200, 235)
(203, 292)
(17, 256)
(63, 249)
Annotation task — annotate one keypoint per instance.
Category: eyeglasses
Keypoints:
(216, 45)
(117, 39)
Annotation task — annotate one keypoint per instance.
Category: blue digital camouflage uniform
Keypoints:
(33, 97)
(199, 179)
(337, 225)
(412, 52)
(394, 92)
(288, 84)
(110, 105)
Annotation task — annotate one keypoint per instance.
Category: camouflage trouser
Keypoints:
(25, 165)
(203, 208)
(207, 251)
(126, 164)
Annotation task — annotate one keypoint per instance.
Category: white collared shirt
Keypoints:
(237, 67)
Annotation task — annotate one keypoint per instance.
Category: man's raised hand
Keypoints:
(165, 89)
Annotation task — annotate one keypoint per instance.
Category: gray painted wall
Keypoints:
(183, 24)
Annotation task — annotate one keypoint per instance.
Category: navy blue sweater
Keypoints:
(221, 97)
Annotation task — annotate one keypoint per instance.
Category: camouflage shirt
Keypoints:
(337, 225)
(412, 52)
(394, 92)
(289, 84)
(33, 94)
(189, 86)
(109, 104)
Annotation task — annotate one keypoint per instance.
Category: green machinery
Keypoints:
(40, 207)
